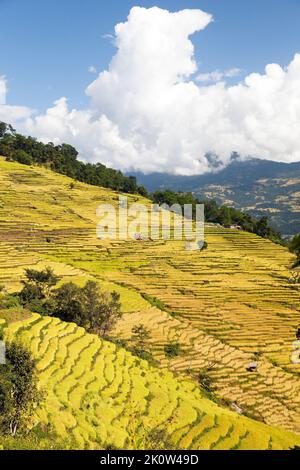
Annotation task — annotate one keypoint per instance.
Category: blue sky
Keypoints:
(48, 45)
(153, 109)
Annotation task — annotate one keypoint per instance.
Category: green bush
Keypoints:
(172, 350)
(295, 248)
(18, 390)
(23, 157)
(8, 301)
(88, 306)
(155, 302)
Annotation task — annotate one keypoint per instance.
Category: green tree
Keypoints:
(37, 285)
(6, 129)
(295, 248)
(63, 159)
(205, 379)
(19, 392)
(23, 157)
(223, 215)
(87, 306)
(130, 185)
(140, 336)
(172, 350)
(8, 301)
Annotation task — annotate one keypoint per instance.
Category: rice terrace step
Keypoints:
(149, 233)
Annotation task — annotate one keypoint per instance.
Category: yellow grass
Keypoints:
(98, 396)
(222, 305)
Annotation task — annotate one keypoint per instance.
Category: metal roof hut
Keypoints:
(253, 367)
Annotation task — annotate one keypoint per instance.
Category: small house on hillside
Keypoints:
(253, 367)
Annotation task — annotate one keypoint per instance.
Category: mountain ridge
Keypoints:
(260, 187)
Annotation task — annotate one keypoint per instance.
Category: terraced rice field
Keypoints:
(99, 396)
(223, 305)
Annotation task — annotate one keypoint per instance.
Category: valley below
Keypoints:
(260, 187)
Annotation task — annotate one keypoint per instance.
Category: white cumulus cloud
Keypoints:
(147, 112)
(11, 114)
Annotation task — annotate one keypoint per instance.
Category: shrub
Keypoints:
(143, 437)
(155, 302)
(23, 157)
(205, 380)
(88, 307)
(295, 277)
(37, 286)
(18, 390)
(139, 338)
(205, 246)
(140, 335)
(145, 356)
(8, 301)
(157, 439)
(172, 350)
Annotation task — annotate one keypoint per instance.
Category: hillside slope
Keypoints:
(222, 305)
(99, 396)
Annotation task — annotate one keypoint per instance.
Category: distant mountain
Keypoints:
(259, 186)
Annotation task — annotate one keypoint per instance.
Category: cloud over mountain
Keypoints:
(147, 112)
